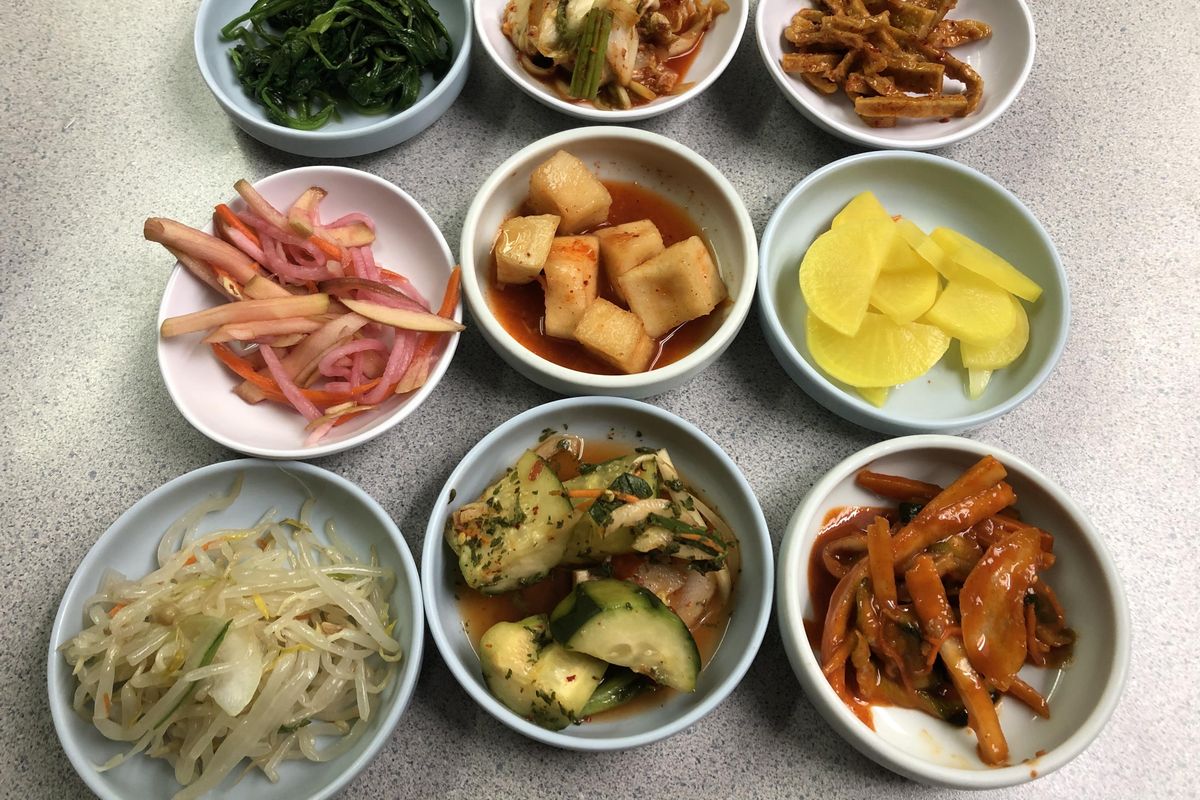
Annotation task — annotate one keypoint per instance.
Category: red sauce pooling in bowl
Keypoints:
(521, 309)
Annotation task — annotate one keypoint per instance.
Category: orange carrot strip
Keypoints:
(327, 247)
(271, 389)
(595, 493)
(226, 215)
(112, 612)
(416, 375)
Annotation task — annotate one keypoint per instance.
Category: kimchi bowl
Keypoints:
(708, 60)
(702, 465)
(1081, 695)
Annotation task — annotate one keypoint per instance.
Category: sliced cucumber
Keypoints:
(206, 634)
(516, 532)
(625, 624)
(589, 542)
(620, 686)
(535, 676)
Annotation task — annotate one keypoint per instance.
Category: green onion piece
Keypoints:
(589, 58)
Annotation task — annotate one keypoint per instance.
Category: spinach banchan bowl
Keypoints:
(597, 574)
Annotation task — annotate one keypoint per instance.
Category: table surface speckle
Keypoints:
(108, 121)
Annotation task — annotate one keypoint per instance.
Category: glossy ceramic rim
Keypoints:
(835, 399)
(615, 116)
(793, 560)
(870, 137)
(458, 65)
(406, 570)
(430, 583)
(377, 427)
(698, 359)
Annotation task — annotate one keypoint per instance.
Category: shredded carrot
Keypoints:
(450, 298)
(428, 340)
(596, 493)
(271, 389)
(112, 612)
(327, 247)
(226, 215)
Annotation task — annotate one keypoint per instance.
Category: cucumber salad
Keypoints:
(591, 582)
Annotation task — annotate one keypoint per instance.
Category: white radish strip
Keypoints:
(244, 331)
(202, 246)
(206, 275)
(319, 432)
(403, 318)
(261, 287)
(286, 385)
(259, 205)
(246, 311)
(300, 215)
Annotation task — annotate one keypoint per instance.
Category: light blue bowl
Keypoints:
(354, 134)
(703, 465)
(931, 191)
(129, 547)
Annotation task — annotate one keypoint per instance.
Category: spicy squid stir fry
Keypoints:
(935, 604)
(614, 53)
(608, 579)
(262, 643)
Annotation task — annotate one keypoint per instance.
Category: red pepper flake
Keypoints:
(570, 678)
(536, 469)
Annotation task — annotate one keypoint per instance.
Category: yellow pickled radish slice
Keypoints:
(971, 255)
(925, 247)
(881, 354)
(1003, 352)
(875, 395)
(840, 268)
(905, 294)
(977, 381)
(974, 310)
(865, 207)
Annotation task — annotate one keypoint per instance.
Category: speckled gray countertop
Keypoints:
(107, 121)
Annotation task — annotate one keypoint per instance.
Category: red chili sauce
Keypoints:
(521, 308)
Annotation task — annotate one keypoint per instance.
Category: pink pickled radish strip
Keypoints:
(288, 386)
(402, 353)
(328, 362)
(242, 242)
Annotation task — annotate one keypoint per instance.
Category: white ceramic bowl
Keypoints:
(703, 465)
(129, 546)
(716, 51)
(202, 388)
(1082, 696)
(931, 191)
(1003, 61)
(623, 154)
(354, 134)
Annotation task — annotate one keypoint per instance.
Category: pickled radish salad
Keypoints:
(591, 576)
